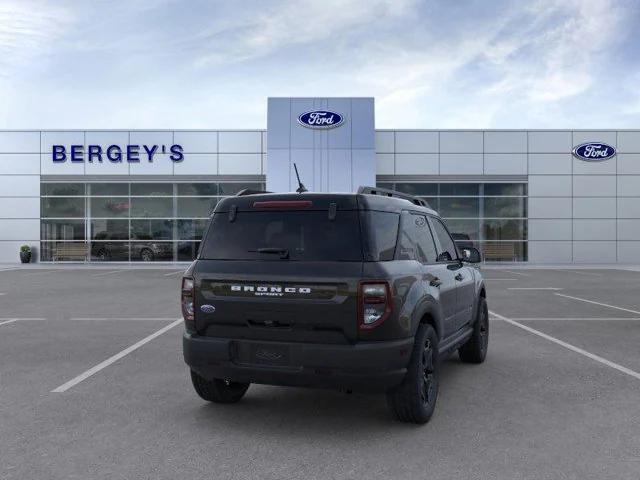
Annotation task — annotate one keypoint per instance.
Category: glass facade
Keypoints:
(164, 221)
(128, 221)
(489, 216)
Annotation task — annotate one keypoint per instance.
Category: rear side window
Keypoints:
(416, 241)
(380, 234)
(447, 251)
(303, 235)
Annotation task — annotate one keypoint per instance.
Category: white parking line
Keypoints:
(533, 288)
(597, 303)
(41, 273)
(578, 272)
(106, 273)
(577, 319)
(22, 319)
(517, 273)
(2, 293)
(500, 279)
(121, 319)
(92, 371)
(5, 321)
(573, 348)
(173, 273)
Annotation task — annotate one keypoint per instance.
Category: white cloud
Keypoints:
(570, 49)
(285, 24)
(546, 54)
(28, 29)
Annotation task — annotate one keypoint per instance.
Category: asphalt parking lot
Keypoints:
(93, 385)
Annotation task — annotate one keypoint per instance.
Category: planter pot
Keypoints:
(25, 257)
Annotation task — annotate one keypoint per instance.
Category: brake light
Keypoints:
(283, 204)
(375, 304)
(187, 294)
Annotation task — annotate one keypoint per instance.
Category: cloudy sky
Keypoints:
(429, 64)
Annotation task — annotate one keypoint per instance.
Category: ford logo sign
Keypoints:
(594, 151)
(207, 308)
(322, 119)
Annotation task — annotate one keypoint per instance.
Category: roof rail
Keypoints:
(248, 191)
(384, 192)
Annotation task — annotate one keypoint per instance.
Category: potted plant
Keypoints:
(25, 253)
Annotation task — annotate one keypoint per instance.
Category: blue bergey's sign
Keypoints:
(594, 151)
(321, 119)
(114, 153)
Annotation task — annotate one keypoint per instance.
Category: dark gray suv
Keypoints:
(358, 292)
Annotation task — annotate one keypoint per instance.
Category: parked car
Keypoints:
(358, 292)
(106, 247)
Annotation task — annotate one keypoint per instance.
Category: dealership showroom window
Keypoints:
(130, 221)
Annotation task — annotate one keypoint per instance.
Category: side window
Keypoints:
(447, 251)
(416, 241)
(382, 232)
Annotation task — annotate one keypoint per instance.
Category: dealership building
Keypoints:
(536, 196)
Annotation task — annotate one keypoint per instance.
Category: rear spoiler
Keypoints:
(248, 191)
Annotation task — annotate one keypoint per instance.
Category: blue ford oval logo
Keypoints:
(320, 119)
(208, 308)
(594, 151)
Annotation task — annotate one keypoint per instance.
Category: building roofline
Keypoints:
(244, 130)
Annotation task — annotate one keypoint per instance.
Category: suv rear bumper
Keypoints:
(366, 366)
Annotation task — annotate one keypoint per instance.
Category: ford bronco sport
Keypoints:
(358, 292)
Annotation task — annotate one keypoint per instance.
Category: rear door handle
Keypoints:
(459, 277)
(435, 282)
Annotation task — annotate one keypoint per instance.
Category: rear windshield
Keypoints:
(284, 235)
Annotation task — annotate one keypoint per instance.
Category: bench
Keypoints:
(497, 251)
(71, 251)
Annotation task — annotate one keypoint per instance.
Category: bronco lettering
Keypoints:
(269, 290)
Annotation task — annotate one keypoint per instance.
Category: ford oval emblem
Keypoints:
(594, 151)
(322, 119)
(207, 308)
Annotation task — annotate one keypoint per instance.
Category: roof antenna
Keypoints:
(301, 188)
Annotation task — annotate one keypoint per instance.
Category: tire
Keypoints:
(475, 349)
(414, 400)
(146, 255)
(218, 391)
(102, 255)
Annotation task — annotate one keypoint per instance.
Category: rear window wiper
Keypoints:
(283, 252)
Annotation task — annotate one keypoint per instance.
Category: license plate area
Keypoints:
(264, 354)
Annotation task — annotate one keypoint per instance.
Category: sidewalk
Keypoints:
(184, 265)
(559, 266)
(94, 266)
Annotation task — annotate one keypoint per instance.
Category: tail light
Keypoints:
(187, 300)
(375, 304)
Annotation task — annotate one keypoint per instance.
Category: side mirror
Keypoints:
(471, 255)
